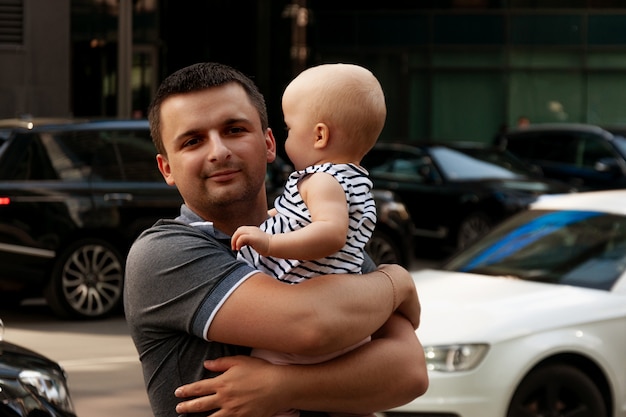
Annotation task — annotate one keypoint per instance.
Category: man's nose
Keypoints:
(218, 148)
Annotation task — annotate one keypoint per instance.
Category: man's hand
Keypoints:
(251, 236)
(247, 387)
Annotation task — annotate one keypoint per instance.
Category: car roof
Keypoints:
(566, 127)
(611, 201)
(430, 144)
(37, 123)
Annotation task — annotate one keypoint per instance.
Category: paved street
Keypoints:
(99, 357)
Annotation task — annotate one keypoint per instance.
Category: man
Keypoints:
(188, 298)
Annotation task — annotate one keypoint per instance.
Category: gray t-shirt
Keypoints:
(178, 274)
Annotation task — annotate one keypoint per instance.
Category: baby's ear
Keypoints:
(322, 136)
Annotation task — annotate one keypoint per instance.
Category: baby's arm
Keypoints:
(326, 201)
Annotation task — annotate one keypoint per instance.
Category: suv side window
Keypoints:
(28, 161)
(45, 156)
(400, 166)
(72, 153)
(560, 147)
(127, 155)
(554, 146)
(137, 155)
(82, 155)
(593, 150)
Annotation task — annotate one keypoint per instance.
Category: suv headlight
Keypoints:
(49, 386)
(454, 358)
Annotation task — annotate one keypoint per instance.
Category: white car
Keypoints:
(530, 321)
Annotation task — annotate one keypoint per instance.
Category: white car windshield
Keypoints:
(579, 248)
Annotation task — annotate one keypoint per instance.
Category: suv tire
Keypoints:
(384, 250)
(87, 280)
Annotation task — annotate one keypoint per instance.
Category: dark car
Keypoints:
(390, 243)
(586, 156)
(454, 193)
(73, 196)
(31, 384)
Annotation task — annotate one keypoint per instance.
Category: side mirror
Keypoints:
(608, 165)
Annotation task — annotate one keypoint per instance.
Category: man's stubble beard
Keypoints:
(236, 204)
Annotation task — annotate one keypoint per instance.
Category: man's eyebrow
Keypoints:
(187, 134)
(237, 120)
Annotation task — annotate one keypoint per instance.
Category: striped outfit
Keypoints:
(293, 214)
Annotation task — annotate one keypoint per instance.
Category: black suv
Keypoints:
(75, 194)
(73, 197)
(585, 156)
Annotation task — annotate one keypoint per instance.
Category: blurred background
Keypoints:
(451, 69)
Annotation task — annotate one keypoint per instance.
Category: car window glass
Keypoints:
(28, 159)
(620, 143)
(522, 145)
(400, 166)
(593, 150)
(460, 166)
(580, 248)
(71, 153)
(137, 154)
(559, 147)
(46, 156)
(106, 162)
(4, 135)
(545, 146)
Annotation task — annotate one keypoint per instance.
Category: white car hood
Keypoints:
(460, 307)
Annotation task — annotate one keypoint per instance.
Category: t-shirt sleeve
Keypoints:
(177, 278)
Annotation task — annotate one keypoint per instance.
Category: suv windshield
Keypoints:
(579, 248)
(474, 164)
(620, 143)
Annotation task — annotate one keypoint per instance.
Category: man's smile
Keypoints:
(223, 175)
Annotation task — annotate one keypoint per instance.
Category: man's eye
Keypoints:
(236, 130)
(191, 142)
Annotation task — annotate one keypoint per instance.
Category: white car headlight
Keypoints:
(454, 358)
(48, 386)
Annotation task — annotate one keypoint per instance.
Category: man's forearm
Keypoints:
(385, 373)
(316, 317)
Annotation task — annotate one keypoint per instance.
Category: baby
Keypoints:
(334, 114)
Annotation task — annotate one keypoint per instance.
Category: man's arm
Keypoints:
(315, 317)
(385, 373)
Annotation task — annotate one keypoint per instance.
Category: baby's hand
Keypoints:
(251, 236)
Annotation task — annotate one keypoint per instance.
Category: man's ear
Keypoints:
(164, 167)
(322, 136)
(270, 143)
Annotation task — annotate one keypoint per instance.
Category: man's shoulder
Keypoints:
(167, 234)
(165, 227)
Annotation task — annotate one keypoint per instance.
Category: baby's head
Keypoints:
(346, 98)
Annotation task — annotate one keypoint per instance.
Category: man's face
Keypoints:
(217, 151)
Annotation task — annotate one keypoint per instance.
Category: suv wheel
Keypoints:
(384, 250)
(87, 280)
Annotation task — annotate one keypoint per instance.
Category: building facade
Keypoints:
(451, 69)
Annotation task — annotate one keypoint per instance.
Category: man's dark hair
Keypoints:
(198, 77)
